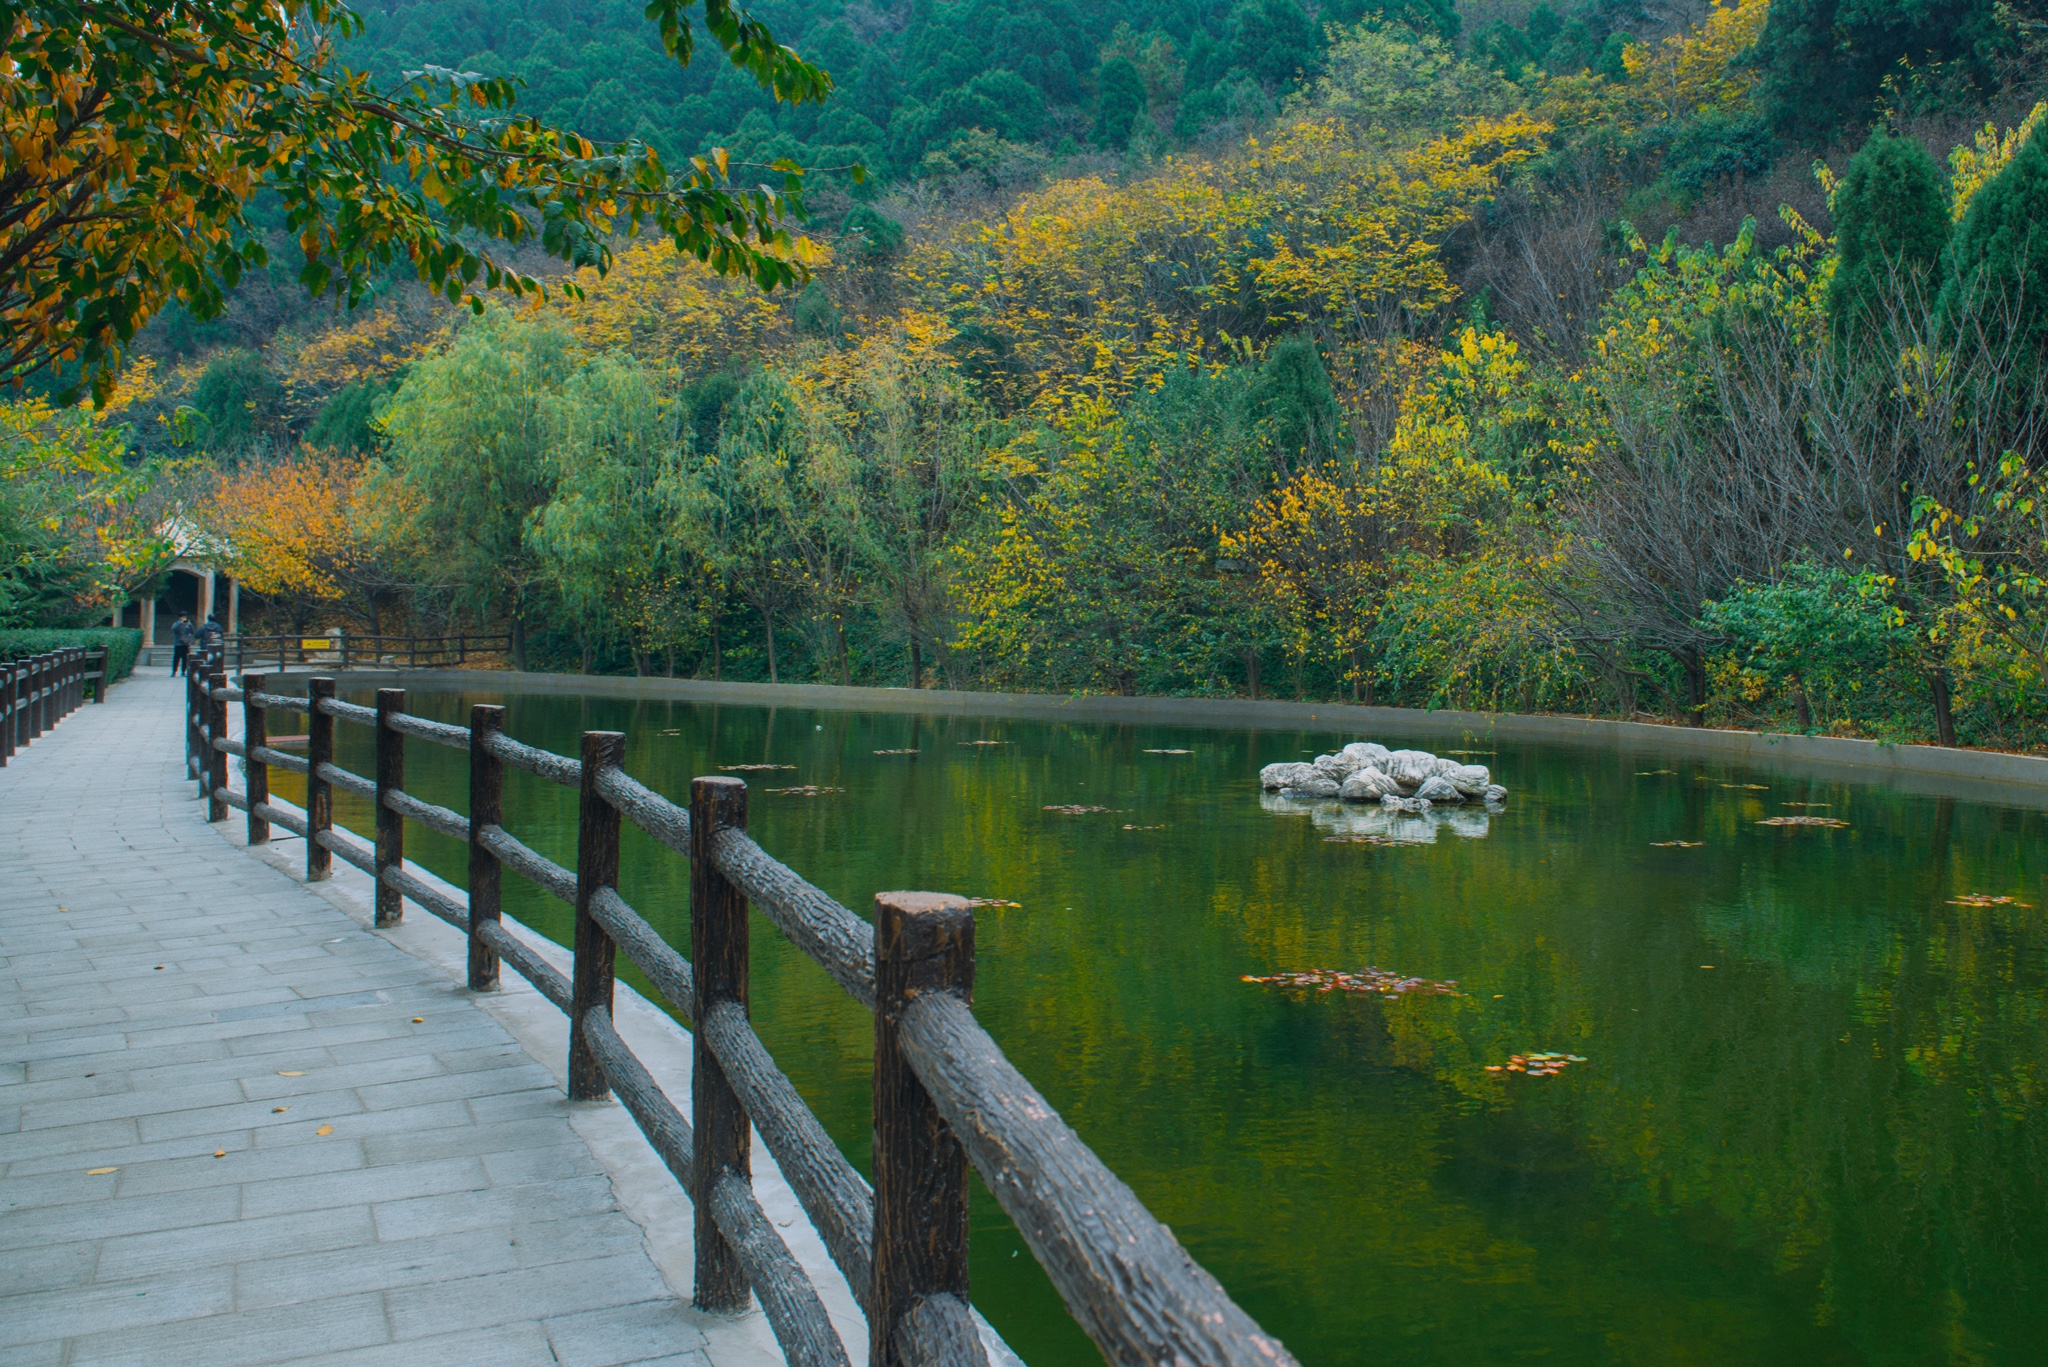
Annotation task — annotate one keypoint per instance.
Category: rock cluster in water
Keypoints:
(1404, 780)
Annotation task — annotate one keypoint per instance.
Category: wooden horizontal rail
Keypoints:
(836, 1197)
(547, 765)
(350, 851)
(647, 809)
(787, 1297)
(439, 732)
(434, 900)
(642, 944)
(837, 940)
(939, 1331)
(279, 759)
(545, 977)
(440, 820)
(349, 783)
(230, 747)
(1123, 1275)
(279, 816)
(529, 862)
(282, 702)
(348, 711)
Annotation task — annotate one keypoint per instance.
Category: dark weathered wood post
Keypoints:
(193, 768)
(319, 792)
(104, 659)
(597, 866)
(216, 758)
(718, 954)
(46, 670)
(7, 693)
(486, 808)
(255, 735)
(390, 825)
(924, 942)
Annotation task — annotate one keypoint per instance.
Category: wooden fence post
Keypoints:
(486, 808)
(597, 866)
(390, 825)
(74, 684)
(6, 711)
(216, 769)
(319, 792)
(39, 720)
(255, 735)
(924, 942)
(718, 955)
(192, 721)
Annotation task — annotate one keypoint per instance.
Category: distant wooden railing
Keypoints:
(41, 690)
(944, 1094)
(246, 651)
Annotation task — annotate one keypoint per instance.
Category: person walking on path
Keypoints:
(209, 640)
(181, 644)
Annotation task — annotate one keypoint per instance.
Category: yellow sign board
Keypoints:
(319, 643)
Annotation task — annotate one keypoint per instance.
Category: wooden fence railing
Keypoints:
(246, 651)
(39, 691)
(944, 1094)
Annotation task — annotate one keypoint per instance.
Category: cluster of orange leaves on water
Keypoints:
(1536, 1065)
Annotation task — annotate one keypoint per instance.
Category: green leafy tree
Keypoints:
(1821, 634)
(1825, 61)
(471, 434)
(138, 131)
(1891, 225)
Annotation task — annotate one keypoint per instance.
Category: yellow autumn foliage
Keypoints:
(1690, 73)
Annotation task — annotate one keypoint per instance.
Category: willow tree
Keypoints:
(133, 134)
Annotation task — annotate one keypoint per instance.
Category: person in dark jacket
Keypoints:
(181, 644)
(209, 639)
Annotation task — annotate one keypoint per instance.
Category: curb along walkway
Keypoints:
(237, 1127)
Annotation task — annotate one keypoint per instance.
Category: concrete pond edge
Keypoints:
(1979, 775)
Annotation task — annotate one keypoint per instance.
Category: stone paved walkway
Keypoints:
(236, 1127)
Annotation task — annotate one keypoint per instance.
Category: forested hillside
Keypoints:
(1683, 362)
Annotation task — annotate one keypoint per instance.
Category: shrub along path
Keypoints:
(236, 1127)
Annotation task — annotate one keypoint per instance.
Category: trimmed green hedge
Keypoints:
(122, 645)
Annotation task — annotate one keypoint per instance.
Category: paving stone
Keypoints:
(450, 1209)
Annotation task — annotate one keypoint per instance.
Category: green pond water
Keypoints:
(1809, 1128)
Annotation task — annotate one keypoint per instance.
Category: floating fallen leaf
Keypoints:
(1072, 809)
(991, 902)
(291, 1074)
(750, 768)
(159, 968)
(1144, 828)
(1759, 787)
(984, 742)
(1645, 773)
(220, 1153)
(895, 752)
(279, 1110)
(325, 1129)
(1366, 981)
(419, 1020)
(63, 911)
(808, 790)
(1169, 752)
(1465, 752)
(1801, 821)
(99, 1172)
(1676, 844)
(1371, 838)
(1536, 1065)
(1985, 899)
(1806, 804)
(1706, 965)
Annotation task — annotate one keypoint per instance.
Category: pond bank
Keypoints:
(1929, 769)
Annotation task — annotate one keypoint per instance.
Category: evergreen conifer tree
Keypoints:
(1891, 223)
(1998, 261)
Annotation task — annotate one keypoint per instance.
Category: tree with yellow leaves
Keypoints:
(314, 532)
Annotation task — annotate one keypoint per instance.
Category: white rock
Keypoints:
(1405, 804)
(1367, 753)
(1276, 776)
(1470, 779)
(1316, 785)
(1367, 785)
(1495, 795)
(1408, 768)
(1338, 767)
(1437, 788)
